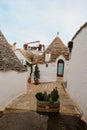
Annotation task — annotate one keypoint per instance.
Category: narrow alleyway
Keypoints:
(21, 113)
(28, 101)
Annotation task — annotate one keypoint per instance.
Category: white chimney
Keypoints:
(14, 46)
(47, 57)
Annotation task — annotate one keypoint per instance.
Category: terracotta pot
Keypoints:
(29, 80)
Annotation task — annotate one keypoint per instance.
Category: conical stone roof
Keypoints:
(8, 59)
(57, 48)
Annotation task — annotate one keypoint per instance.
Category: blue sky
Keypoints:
(24, 21)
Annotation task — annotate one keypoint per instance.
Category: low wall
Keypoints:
(48, 74)
(12, 84)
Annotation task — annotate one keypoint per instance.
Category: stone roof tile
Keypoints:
(8, 59)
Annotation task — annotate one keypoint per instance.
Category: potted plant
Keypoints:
(31, 71)
(48, 102)
(36, 75)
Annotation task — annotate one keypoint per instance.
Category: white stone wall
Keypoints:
(65, 66)
(77, 72)
(12, 84)
(23, 61)
(48, 74)
(65, 71)
(20, 57)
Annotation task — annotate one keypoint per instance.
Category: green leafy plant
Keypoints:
(36, 74)
(51, 97)
(54, 95)
(40, 96)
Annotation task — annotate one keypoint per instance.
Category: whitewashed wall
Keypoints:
(65, 76)
(12, 84)
(20, 56)
(48, 74)
(77, 72)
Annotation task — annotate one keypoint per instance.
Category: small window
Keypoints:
(46, 65)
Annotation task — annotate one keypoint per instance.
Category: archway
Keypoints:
(60, 68)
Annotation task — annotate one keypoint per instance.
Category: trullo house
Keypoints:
(54, 61)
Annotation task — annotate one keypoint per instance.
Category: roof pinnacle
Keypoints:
(57, 34)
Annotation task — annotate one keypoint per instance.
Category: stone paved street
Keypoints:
(21, 113)
(28, 101)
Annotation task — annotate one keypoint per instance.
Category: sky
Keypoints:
(24, 21)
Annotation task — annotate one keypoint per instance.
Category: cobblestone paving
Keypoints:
(28, 100)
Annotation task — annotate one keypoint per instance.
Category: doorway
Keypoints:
(60, 68)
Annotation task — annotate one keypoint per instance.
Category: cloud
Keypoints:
(26, 20)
